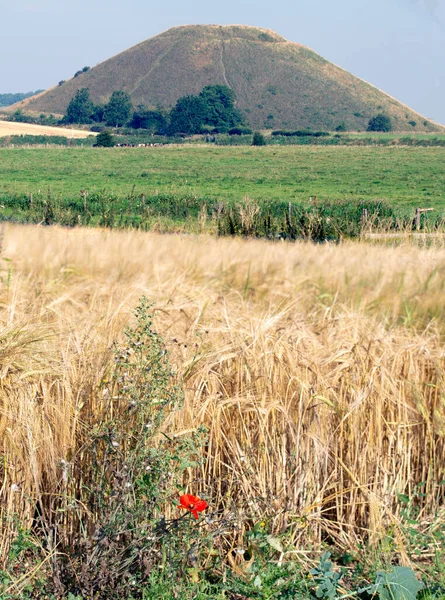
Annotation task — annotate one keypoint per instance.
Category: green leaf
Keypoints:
(403, 498)
(275, 543)
(398, 584)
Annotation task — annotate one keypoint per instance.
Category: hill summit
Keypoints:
(278, 84)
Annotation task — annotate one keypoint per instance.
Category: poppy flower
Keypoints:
(192, 503)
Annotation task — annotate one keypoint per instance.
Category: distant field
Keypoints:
(10, 128)
(405, 177)
(400, 137)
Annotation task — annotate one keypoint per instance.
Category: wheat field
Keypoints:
(317, 369)
(10, 128)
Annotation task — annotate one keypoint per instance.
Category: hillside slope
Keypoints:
(278, 84)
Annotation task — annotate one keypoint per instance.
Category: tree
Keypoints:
(380, 123)
(104, 140)
(8, 99)
(188, 115)
(220, 107)
(80, 108)
(118, 110)
(98, 113)
(153, 120)
(214, 108)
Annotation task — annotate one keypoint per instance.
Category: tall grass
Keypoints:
(318, 371)
(173, 213)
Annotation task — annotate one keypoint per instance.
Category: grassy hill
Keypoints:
(278, 83)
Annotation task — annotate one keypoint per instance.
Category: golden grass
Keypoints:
(10, 128)
(317, 369)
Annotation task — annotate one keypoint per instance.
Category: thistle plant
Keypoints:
(135, 472)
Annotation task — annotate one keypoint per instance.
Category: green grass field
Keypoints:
(405, 177)
(393, 135)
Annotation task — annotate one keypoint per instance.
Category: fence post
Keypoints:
(84, 196)
(417, 218)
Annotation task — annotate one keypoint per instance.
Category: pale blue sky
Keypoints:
(398, 45)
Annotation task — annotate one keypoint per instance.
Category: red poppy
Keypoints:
(192, 503)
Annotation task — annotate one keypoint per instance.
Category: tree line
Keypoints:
(9, 99)
(213, 110)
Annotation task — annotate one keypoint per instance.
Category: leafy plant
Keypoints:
(326, 578)
(398, 584)
(134, 471)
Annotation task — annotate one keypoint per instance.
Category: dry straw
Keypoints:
(318, 370)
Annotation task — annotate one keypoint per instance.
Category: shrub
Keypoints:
(265, 37)
(258, 139)
(104, 140)
(300, 133)
(84, 70)
(240, 131)
(380, 122)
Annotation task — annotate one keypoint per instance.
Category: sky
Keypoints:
(397, 45)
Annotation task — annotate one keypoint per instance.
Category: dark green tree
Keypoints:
(380, 123)
(80, 108)
(118, 110)
(220, 107)
(104, 140)
(188, 115)
(98, 113)
(152, 120)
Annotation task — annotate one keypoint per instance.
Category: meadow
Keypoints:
(404, 177)
(316, 370)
